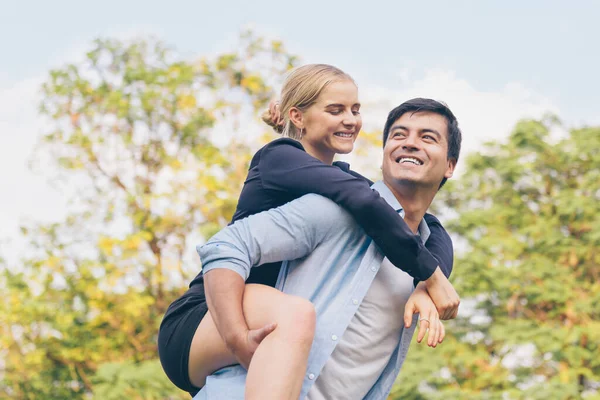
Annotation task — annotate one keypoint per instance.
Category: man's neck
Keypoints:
(414, 201)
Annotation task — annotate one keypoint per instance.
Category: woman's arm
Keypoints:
(284, 166)
(440, 244)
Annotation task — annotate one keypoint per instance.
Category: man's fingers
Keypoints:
(438, 334)
(423, 326)
(257, 335)
(443, 332)
(265, 330)
(433, 328)
(408, 314)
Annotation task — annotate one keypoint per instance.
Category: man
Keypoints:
(360, 342)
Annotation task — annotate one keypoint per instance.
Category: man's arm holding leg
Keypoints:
(286, 233)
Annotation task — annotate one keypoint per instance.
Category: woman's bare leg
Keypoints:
(279, 363)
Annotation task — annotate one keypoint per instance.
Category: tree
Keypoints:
(528, 217)
(151, 150)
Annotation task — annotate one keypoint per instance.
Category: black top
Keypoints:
(282, 171)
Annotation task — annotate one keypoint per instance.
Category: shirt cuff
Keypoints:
(220, 255)
(427, 265)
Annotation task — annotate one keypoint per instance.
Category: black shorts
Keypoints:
(175, 336)
(183, 317)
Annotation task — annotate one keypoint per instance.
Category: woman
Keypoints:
(320, 117)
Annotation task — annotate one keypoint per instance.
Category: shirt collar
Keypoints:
(389, 197)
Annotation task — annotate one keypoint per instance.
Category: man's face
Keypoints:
(416, 151)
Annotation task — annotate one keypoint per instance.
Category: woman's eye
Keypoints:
(356, 112)
(335, 112)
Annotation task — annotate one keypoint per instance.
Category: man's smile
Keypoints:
(408, 159)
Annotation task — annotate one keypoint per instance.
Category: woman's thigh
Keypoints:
(262, 305)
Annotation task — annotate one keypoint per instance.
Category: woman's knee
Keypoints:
(299, 318)
(295, 316)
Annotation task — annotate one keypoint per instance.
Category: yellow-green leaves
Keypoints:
(528, 219)
(132, 134)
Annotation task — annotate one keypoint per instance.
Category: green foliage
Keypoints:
(145, 380)
(528, 217)
(155, 148)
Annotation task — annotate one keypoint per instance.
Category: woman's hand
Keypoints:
(420, 302)
(442, 293)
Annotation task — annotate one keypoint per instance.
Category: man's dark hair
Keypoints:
(428, 105)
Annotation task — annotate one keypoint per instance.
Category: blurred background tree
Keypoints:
(156, 151)
(527, 216)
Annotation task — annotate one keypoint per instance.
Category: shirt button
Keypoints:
(334, 337)
(354, 301)
(311, 376)
(373, 269)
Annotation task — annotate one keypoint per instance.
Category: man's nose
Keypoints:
(411, 142)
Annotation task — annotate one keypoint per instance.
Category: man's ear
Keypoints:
(296, 117)
(450, 168)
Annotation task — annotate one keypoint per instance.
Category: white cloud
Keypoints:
(482, 115)
(24, 194)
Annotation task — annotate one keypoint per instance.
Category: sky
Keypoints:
(492, 62)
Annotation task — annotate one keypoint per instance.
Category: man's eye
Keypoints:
(335, 112)
(398, 134)
(356, 112)
(429, 137)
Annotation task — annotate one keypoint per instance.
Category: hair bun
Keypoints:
(272, 116)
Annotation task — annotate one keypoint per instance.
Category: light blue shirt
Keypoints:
(333, 265)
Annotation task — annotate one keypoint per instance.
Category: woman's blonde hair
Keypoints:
(301, 89)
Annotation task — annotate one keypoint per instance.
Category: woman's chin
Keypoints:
(345, 149)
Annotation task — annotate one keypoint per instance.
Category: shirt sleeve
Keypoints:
(284, 166)
(440, 244)
(288, 232)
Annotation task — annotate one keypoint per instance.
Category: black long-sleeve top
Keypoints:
(282, 171)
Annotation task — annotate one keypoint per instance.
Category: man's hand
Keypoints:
(443, 295)
(246, 343)
(420, 302)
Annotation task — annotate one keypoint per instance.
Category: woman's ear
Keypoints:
(296, 117)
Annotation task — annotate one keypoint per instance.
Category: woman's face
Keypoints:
(332, 123)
